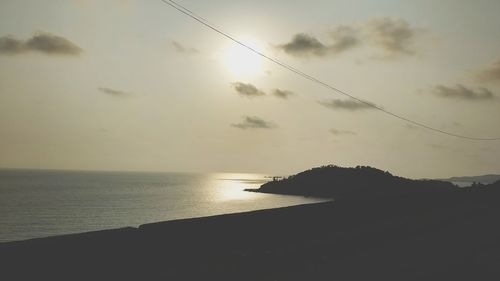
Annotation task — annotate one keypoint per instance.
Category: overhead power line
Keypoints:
(205, 22)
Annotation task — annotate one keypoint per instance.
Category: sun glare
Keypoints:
(230, 186)
(241, 61)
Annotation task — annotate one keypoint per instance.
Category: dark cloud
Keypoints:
(491, 73)
(52, 44)
(395, 36)
(254, 122)
(11, 46)
(344, 37)
(351, 105)
(304, 45)
(179, 48)
(337, 132)
(460, 92)
(43, 42)
(112, 92)
(247, 90)
(282, 94)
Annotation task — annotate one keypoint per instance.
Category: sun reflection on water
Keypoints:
(231, 186)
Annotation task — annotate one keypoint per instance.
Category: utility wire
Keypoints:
(205, 22)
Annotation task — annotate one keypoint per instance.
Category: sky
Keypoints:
(135, 85)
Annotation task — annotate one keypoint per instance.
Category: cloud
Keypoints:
(42, 42)
(460, 92)
(181, 49)
(344, 37)
(112, 92)
(394, 35)
(491, 73)
(52, 44)
(337, 132)
(11, 46)
(247, 89)
(282, 94)
(303, 45)
(351, 105)
(254, 122)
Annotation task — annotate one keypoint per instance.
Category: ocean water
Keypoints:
(46, 203)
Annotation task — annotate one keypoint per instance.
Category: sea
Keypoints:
(40, 203)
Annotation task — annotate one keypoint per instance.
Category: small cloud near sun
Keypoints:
(282, 94)
(113, 92)
(254, 122)
(304, 45)
(247, 90)
(337, 132)
(350, 105)
(181, 49)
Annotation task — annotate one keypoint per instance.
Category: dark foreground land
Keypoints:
(449, 234)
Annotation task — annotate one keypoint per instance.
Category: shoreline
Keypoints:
(176, 221)
(447, 236)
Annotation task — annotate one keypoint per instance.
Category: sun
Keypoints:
(241, 61)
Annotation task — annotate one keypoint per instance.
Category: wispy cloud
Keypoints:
(460, 92)
(490, 73)
(344, 37)
(113, 92)
(282, 94)
(395, 36)
(42, 42)
(181, 49)
(254, 122)
(337, 132)
(247, 90)
(350, 105)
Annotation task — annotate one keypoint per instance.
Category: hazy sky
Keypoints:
(135, 85)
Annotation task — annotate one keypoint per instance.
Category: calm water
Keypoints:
(45, 203)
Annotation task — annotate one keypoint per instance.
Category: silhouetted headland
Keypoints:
(402, 229)
(359, 182)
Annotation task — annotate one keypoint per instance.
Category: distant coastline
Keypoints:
(484, 179)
